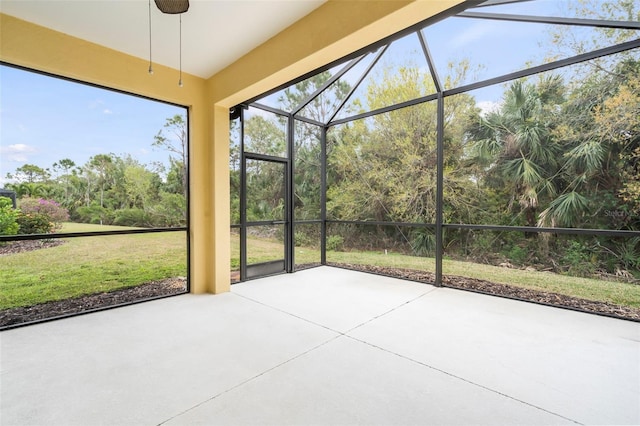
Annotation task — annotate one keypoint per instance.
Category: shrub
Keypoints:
(49, 208)
(170, 211)
(517, 255)
(35, 223)
(95, 214)
(423, 242)
(577, 256)
(8, 217)
(335, 242)
(627, 254)
(301, 239)
(131, 217)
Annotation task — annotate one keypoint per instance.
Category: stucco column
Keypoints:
(221, 250)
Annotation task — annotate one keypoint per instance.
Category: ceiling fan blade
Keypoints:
(172, 6)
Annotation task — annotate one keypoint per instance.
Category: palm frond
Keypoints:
(566, 210)
(586, 157)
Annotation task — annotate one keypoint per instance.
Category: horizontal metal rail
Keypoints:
(266, 223)
(265, 157)
(618, 48)
(278, 222)
(488, 3)
(412, 102)
(25, 237)
(598, 23)
(541, 230)
(383, 223)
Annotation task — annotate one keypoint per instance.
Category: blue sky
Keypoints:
(492, 48)
(46, 119)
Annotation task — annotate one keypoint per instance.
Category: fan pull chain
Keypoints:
(180, 80)
(150, 62)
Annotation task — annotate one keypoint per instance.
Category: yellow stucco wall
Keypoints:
(38, 48)
(334, 30)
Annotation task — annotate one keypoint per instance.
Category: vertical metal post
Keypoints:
(323, 195)
(289, 245)
(188, 182)
(439, 187)
(243, 202)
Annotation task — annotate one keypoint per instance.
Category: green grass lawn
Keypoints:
(86, 265)
(606, 291)
(266, 249)
(585, 288)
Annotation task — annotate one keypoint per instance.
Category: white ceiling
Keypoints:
(215, 33)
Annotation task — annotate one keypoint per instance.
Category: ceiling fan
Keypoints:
(172, 7)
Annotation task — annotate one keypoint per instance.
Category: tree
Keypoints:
(322, 106)
(514, 147)
(30, 173)
(101, 166)
(176, 142)
(384, 168)
(63, 168)
(600, 133)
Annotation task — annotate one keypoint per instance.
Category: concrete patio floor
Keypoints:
(324, 346)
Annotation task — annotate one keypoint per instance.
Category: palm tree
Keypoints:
(515, 145)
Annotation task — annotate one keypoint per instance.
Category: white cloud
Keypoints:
(471, 34)
(98, 103)
(18, 153)
(107, 111)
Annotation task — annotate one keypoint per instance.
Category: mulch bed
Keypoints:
(14, 247)
(172, 286)
(76, 305)
(503, 290)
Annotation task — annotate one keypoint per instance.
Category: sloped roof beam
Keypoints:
(429, 58)
(599, 23)
(499, 2)
(360, 80)
(327, 83)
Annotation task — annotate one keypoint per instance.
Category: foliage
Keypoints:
(553, 153)
(29, 173)
(577, 257)
(8, 217)
(423, 242)
(35, 223)
(170, 211)
(95, 214)
(87, 265)
(175, 142)
(513, 147)
(109, 188)
(301, 239)
(335, 242)
(50, 209)
(131, 217)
